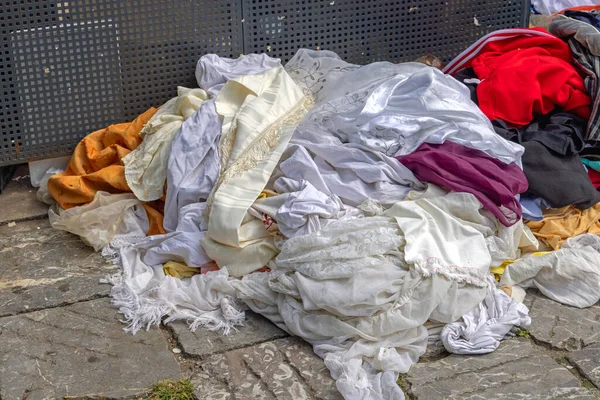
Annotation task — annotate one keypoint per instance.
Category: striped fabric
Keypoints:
(463, 60)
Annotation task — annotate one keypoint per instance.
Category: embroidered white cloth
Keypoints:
(259, 115)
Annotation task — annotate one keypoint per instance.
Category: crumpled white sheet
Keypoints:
(482, 329)
(146, 166)
(570, 275)
(394, 108)
(506, 242)
(367, 334)
(212, 71)
(352, 173)
(306, 209)
(582, 241)
(99, 221)
(549, 7)
(193, 166)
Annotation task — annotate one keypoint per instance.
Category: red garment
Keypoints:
(526, 74)
(594, 177)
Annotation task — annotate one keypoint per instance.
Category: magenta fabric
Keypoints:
(461, 169)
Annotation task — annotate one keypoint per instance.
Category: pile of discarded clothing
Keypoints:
(370, 210)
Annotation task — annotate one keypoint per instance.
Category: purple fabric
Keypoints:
(461, 169)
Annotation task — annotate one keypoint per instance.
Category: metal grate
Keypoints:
(70, 67)
(374, 30)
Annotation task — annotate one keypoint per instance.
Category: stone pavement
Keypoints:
(60, 338)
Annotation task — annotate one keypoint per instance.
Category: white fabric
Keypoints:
(372, 253)
(212, 71)
(549, 7)
(581, 241)
(518, 293)
(146, 166)
(570, 275)
(368, 333)
(259, 114)
(306, 209)
(143, 293)
(427, 236)
(98, 222)
(482, 329)
(350, 172)
(193, 167)
(394, 108)
(506, 242)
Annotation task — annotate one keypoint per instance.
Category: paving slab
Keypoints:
(280, 369)
(41, 267)
(18, 200)
(587, 362)
(515, 370)
(562, 327)
(79, 351)
(202, 342)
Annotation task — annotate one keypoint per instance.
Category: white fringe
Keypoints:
(139, 311)
(225, 319)
(145, 310)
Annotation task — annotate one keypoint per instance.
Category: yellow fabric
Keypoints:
(96, 166)
(179, 270)
(266, 193)
(560, 224)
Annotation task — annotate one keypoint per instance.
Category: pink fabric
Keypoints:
(461, 169)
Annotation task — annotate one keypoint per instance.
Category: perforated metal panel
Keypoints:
(68, 68)
(374, 30)
(71, 67)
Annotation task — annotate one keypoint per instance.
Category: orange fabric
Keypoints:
(96, 165)
(156, 220)
(562, 223)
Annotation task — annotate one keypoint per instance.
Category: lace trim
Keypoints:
(259, 148)
(434, 265)
(226, 145)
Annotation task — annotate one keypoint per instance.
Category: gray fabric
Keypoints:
(584, 42)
